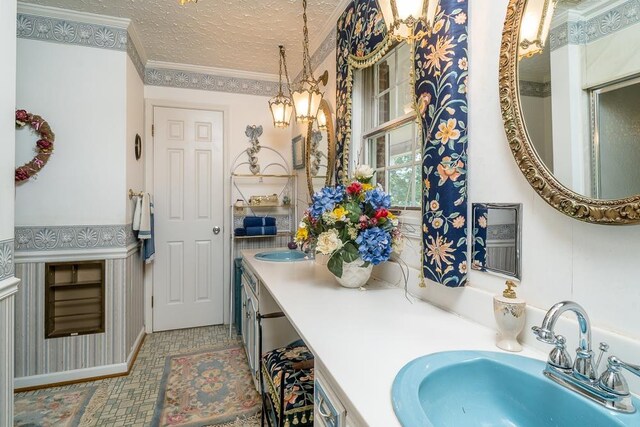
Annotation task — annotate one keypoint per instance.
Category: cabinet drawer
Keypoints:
(328, 411)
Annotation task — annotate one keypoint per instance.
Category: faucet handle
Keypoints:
(612, 379)
(604, 347)
(559, 357)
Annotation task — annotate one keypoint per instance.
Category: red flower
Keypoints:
(44, 144)
(381, 213)
(354, 188)
(22, 174)
(22, 115)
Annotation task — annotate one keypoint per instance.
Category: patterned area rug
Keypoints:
(208, 388)
(56, 408)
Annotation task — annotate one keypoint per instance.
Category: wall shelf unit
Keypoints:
(275, 177)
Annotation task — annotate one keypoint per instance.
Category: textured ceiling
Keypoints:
(233, 34)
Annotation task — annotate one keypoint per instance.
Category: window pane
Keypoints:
(400, 188)
(384, 108)
(381, 178)
(405, 99)
(417, 190)
(401, 145)
(377, 152)
(383, 76)
(404, 64)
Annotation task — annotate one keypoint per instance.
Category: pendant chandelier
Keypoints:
(307, 96)
(280, 105)
(403, 16)
(183, 2)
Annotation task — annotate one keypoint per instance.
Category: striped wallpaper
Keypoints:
(124, 306)
(6, 361)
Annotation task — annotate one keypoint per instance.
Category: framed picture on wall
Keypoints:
(297, 146)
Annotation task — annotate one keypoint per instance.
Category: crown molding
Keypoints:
(222, 72)
(137, 43)
(72, 15)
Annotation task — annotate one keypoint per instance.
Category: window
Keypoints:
(389, 141)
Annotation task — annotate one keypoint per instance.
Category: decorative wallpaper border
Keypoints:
(202, 81)
(535, 89)
(135, 57)
(608, 22)
(70, 32)
(7, 265)
(54, 238)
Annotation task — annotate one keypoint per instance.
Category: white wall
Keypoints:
(135, 125)
(81, 92)
(7, 114)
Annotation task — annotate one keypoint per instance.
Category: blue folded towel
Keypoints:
(258, 221)
(240, 232)
(262, 231)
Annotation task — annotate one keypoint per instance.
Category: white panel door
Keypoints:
(188, 194)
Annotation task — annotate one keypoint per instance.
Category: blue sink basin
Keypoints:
(281, 256)
(472, 388)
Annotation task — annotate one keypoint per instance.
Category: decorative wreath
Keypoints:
(44, 145)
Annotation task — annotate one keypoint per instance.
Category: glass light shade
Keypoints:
(401, 15)
(306, 100)
(281, 109)
(322, 120)
(535, 25)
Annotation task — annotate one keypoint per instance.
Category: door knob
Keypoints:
(216, 230)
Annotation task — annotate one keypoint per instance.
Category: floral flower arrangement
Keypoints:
(351, 222)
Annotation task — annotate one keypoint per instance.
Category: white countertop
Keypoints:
(363, 338)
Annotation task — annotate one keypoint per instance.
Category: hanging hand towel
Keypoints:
(145, 218)
(137, 212)
(149, 244)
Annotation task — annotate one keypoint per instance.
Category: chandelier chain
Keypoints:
(286, 72)
(307, 71)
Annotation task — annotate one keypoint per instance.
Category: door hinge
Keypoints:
(153, 130)
(152, 301)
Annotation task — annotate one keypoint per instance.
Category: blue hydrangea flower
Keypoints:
(378, 199)
(325, 200)
(374, 245)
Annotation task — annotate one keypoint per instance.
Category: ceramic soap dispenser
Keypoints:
(509, 312)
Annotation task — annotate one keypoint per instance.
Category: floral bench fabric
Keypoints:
(298, 384)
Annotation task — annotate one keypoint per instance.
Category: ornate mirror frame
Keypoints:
(597, 211)
(331, 148)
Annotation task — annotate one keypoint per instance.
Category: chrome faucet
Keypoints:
(609, 389)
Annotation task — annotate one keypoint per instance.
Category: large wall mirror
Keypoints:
(570, 105)
(320, 149)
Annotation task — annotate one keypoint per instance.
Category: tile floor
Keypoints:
(130, 400)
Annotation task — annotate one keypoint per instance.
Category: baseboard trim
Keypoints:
(59, 379)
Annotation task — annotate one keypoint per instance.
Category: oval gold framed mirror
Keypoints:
(569, 105)
(320, 149)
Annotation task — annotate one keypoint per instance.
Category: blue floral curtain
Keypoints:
(441, 90)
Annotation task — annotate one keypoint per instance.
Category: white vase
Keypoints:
(354, 275)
